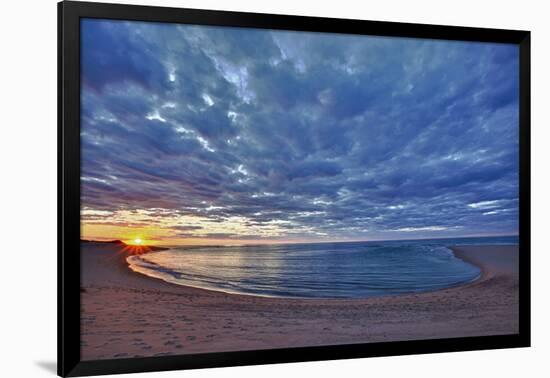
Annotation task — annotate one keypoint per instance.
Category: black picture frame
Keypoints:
(69, 15)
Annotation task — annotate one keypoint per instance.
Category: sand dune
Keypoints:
(126, 314)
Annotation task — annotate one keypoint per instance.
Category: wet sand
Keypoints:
(126, 314)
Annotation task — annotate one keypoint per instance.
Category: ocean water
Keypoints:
(323, 270)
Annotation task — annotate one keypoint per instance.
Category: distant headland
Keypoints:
(141, 248)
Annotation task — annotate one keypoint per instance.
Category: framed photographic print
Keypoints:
(240, 188)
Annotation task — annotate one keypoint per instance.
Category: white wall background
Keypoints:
(28, 187)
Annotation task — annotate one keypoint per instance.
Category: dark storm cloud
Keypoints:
(328, 135)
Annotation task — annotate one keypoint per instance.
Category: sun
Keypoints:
(136, 241)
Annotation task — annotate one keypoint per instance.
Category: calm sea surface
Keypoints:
(327, 270)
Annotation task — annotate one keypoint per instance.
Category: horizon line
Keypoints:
(313, 242)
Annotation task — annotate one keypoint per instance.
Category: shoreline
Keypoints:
(126, 313)
(468, 259)
(457, 252)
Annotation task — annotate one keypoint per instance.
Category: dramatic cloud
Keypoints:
(228, 133)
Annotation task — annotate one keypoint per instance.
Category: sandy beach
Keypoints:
(126, 314)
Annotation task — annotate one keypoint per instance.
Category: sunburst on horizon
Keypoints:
(138, 241)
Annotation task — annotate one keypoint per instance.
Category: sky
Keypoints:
(218, 135)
